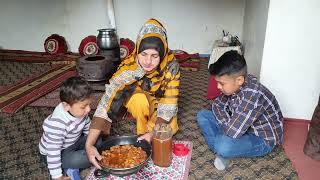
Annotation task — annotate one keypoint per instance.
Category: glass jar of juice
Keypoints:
(162, 145)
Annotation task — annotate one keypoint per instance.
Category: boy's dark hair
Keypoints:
(75, 89)
(230, 63)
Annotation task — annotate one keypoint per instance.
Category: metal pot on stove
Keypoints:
(107, 39)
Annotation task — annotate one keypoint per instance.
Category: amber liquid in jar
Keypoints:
(162, 145)
(162, 152)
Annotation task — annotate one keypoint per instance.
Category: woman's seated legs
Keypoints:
(138, 106)
(142, 108)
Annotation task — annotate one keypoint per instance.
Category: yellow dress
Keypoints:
(146, 95)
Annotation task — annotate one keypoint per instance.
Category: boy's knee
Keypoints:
(224, 149)
(202, 115)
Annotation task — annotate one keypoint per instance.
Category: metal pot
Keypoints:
(123, 140)
(107, 39)
(107, 42)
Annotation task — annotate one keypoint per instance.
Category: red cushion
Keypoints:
(55, 44)
(213, 90)
(126, 47)
(88, 46)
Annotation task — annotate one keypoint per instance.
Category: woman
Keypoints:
(146, 83)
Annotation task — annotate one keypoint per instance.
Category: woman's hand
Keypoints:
(92, 152)
(62, 178)
(146, 136)
(160, 120)
(93, 155)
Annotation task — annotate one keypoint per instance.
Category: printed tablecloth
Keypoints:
(178, 170)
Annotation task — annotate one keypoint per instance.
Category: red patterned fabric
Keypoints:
(16, 97)
(88, 46)
(182, 56)
(55, 44)
(188, 62)
(126, 47)
(213, 90)
(191, 64)
(35, 57)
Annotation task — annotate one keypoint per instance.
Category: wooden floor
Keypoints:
(295, 133)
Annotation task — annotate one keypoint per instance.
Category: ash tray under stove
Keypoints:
(97, 85)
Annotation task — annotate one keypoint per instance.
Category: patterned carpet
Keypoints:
(12, 72)
(20, 134)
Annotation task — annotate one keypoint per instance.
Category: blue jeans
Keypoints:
(248, 145)
(75, 156)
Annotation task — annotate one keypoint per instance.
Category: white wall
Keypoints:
(84, 18)
(192, 25)
(290, 65)
(291, 58)
(254, 28)
(26, 24)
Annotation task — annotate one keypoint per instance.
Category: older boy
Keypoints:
(245, 120)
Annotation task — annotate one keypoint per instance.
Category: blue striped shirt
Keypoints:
(253, 109)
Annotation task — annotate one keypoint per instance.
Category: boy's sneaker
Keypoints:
(74, 174)
(221, 163)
